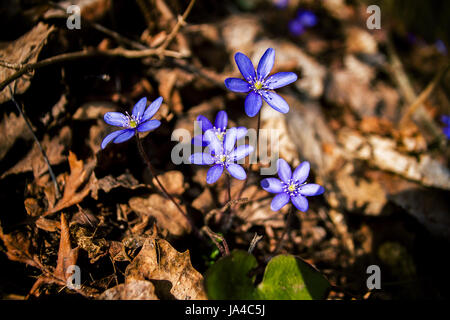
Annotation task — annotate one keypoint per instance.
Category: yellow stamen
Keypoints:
(258, 85)
(291, 188)
(133, 124)
(220, 136)
(223, 158)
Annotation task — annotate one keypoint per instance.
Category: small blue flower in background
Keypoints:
(219, 128)
(281, 4)
(259, 84)
(138, 121)
(222, 155)
(446, 121)
(440, 46)
(292, 186)
(305, 19)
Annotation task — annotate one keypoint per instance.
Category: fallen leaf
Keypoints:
(164, 211)
(66, 255)
(80, 176)
(24, 50)
(158, 260)
(133, 290)
(173, 181)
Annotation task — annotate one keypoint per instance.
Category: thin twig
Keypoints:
(30, 127)
(178, 25)
(117, 52)
(423, 95)
(254, 241)
(224, 250)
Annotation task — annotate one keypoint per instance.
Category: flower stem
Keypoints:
(258, 126)
(161, 186)
(286, 228)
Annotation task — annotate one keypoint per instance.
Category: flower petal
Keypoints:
(296, 27)
(241, 152)
(201, 158)
(230, 140)
(152, 109)
(245, 66)
(117, 119)
(221, 120)
(214, 144)
(272, 185)
(266, 63)
(446, 131)
(307, 18)
(301, 172)
(445, 119)
(300, 202)
(110, 137)
(205, 123)
(253, 104)
(311, 189)
(280, 79)
(149, 125)
(279, 201)
(126, 135)
(236, 171)
(241, 132)
(199, 141)
(139, 107)
(276, 101)
(284, 170)
(237, 85)
(214, 173)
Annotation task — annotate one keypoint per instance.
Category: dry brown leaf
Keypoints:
(173, 181)
(24, 50)
(34, 161)
(80, 176)
(66, 255)
(12, 127)
(133, 290)
(158, 260)
(167, 216)
(19, 248)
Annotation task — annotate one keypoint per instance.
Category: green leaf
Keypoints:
(229, 279)
(290, 278)
(286, 278)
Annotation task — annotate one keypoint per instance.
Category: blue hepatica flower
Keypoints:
(259, 84)
(292, 186)
(222, 155)
(219, 128)
(446, 121)
(138, 121)
(305, 19)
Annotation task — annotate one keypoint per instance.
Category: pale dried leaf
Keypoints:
(132, 290)
(158, 260)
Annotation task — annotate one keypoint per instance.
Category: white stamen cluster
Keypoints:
(292, 188)
(132, 121)
(222, 159)
(220, 133)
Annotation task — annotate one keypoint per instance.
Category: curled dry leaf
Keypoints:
(158, 260)
(133, 290)
(164, 211)
(24, 50)
(80, 177)
(19, 247)
(109, 183)
(66, 255)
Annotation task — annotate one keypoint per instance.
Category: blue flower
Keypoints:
(305, 19)
(446, 121)
(259, 84)
(219, 128)
(222, 155)
(281, 4)
(138, 121)
(292, 186)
